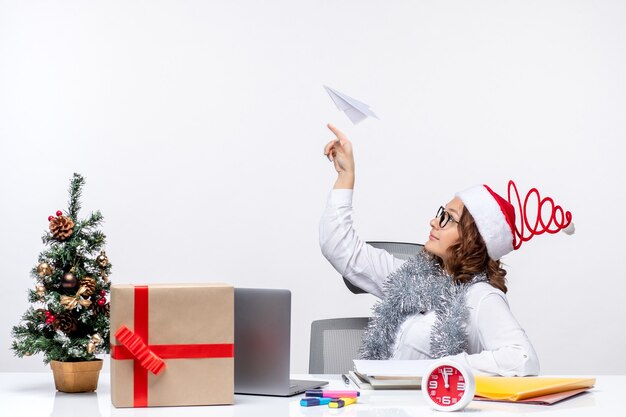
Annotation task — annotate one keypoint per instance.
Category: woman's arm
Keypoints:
(360, 263)
(508, 351)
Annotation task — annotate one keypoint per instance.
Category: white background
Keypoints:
(199, 127)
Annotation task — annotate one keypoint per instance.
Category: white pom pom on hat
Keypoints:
(569, 230)
(495, 218)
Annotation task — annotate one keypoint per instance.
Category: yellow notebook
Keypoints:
(521, 388)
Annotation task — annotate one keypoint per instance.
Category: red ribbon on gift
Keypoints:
(150, 357)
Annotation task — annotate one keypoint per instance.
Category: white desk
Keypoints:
(33, 395)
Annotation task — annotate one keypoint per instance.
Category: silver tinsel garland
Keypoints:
(420, 285)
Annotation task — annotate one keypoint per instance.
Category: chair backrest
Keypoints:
(334, 344)
(398, 249)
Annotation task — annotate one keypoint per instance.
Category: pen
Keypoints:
(341, 402)
(313, 401)
(331, 393)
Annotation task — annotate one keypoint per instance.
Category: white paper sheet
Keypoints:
(355, 110)
(392, 367)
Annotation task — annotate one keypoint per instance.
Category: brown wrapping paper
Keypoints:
(178, 314)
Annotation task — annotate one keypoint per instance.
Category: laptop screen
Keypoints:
(262, 341)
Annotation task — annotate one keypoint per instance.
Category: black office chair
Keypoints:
(398, 249)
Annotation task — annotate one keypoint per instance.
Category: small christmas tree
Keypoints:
(70, 319)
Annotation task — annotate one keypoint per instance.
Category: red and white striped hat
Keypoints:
(495, 218)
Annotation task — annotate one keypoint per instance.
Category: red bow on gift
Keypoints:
(147, 358)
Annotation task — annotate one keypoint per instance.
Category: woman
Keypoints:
(450, 299)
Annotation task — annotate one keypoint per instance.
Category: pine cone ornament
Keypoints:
(90, 285)
(61, 227)
(101, 310)
(65, 323)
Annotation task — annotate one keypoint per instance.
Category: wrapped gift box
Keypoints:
(172, 345)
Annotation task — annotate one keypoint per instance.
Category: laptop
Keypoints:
(262, 344)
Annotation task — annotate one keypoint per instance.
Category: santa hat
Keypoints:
(495, 218)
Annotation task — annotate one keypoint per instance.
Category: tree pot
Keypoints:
(76, 376)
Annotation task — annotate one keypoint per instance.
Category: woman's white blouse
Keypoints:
(497, 343)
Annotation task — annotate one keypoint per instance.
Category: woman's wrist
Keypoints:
(344, 180)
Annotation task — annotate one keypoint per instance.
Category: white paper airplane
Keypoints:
(354, 109)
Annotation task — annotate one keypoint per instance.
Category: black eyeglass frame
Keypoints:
(444, 217)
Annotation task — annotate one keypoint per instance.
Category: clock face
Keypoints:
(446, 386)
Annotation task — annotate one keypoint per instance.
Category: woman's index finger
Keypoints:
(337, 132)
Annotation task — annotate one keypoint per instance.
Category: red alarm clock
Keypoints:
(448, 386)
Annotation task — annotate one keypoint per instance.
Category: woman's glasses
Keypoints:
(444, 217)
